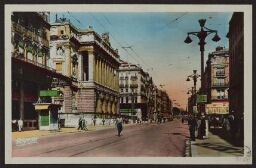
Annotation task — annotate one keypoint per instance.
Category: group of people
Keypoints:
(118, 122)
(194, 124)
(232, 124)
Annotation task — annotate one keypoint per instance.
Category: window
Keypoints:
(220, 94)
(58, 66)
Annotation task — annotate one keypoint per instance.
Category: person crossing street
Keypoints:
(119, 125)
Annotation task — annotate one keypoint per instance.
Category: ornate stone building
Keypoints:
(92, 64)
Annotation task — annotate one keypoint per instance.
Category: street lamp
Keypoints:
(194, 76)
(201, 36)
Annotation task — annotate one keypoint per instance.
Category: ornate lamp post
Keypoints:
(201, 36)
(194, 76)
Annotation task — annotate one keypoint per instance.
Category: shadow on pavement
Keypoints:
(221, 147)
(224, 134)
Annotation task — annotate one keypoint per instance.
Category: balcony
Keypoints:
(133, 85)
(121, 86)
(219, 97)
(19, 57)
(220, 85)
(220, 74)
(29, 34)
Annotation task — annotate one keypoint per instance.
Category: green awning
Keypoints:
(30, 49)
(21, 44)
(39, 54)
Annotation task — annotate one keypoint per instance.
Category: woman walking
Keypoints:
(119, 125)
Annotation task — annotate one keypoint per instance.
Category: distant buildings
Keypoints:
(136, 88)
(217, 81)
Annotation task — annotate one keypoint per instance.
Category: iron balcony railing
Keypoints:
(219, 97)
(17, 56)
(29, 34)
(220, 85)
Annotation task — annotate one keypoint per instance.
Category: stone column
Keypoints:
(91, 65)
(68, 61)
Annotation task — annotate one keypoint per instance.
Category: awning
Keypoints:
(21, 44)
(41, 107)
(39, 54)
(30, 49)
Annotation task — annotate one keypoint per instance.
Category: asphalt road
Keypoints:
(149, 140)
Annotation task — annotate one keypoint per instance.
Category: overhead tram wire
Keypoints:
(159, 29)
(130, 46)
(114, 38)
(125, 48)
(105, 30)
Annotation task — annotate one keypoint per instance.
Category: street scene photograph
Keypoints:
(128, 84)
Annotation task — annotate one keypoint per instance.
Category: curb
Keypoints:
(187, 151)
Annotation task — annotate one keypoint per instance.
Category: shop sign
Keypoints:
(201, 98)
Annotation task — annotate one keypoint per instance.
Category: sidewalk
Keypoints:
(217, 145)
(37, 133)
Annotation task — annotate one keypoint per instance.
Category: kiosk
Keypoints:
(47, 110)
(47, 115)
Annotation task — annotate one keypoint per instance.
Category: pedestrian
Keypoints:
(192, 128)
(182, 120)
(84, 125)
(94, 121)
(119, 125)
(80, 124)
(202, 128)
(20, 124)
(59, 123)
(103, 121)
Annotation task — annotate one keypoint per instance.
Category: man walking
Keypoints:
(20, 124)
(80, 124)
(192, 128)
(119, 125)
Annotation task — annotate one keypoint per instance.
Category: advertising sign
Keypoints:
(201, 98)
(127, 110)
(195, 109)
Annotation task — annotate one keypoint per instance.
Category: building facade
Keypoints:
(236, 66)
(217, 82)
(92, 64)
(30, 69)
(133, 84)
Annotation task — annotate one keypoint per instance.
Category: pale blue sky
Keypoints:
(157, 41)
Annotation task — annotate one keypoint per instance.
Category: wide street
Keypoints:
(160, 140)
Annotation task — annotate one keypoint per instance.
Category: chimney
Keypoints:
(219, 48)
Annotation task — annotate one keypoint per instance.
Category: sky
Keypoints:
(155, 40)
